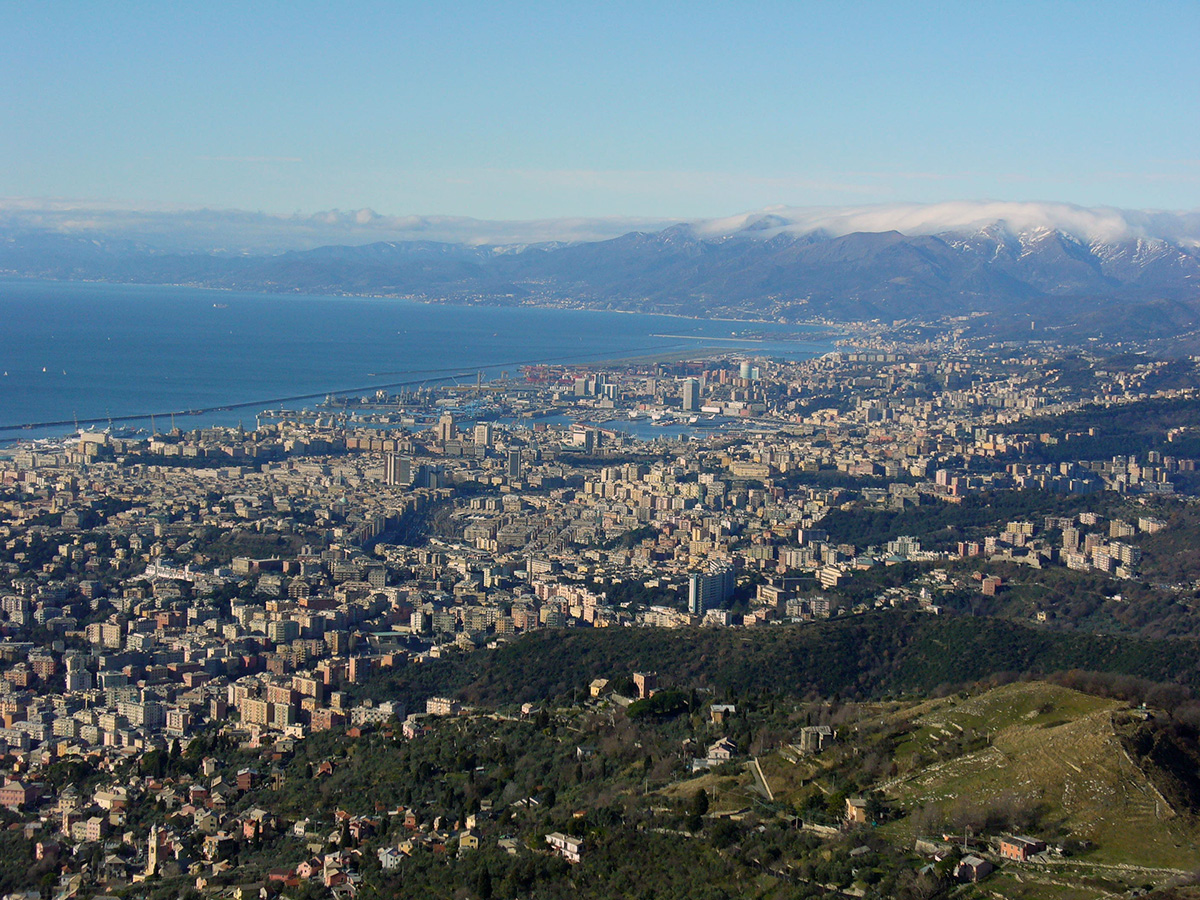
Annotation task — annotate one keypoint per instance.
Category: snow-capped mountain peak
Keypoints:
(993, 219)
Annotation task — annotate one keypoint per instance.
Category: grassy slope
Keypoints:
(1058, 749)
(1051, 749)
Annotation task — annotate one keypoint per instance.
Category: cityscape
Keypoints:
(558, 451)
(184, 610)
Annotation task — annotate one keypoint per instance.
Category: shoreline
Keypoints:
(9, 439)
(437, 375)
(673, 348)
(844, 327)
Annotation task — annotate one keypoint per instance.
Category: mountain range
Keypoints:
(1103, 272)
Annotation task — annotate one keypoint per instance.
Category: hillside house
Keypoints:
(15, 794)
(646, 684)
(813, 738)
(389, 858)
(569, 848)
(1019, 848)
(219, 846)
(972, 868)
(856, 811)
(722, 751)
(309, 869)
(468, 840)
(719, 712)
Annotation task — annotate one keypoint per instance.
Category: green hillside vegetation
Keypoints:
(1114, 786)
(1173, 554)
(940, 525)
(1118, 431)
(867, 656)
(1054, 762)
(1077, 601)
(588, 771)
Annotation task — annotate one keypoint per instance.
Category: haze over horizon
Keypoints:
(241, 231)
(655, 114)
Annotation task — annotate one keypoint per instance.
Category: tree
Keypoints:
(483, 883)
(724, 833)
(696, 810)
(876, 807)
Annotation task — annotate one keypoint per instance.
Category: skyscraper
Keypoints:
(397, 469)
(711, 588)
(691, 395)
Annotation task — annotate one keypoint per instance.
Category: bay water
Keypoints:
(76, 351)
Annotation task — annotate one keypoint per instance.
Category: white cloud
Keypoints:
(240, 231)
(1087, 224)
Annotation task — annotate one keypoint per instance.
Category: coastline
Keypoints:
(563, 306)
(158, 371)
(9, 438)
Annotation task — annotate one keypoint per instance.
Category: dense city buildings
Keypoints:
(159, 590)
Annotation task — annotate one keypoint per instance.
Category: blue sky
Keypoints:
(680, 110)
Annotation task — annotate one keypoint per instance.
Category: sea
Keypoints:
(86, 354)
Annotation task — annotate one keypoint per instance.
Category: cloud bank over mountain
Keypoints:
(1090, 271)
(237, 232)
(1078, 271)
(1089, 225)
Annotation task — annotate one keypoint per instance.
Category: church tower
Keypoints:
(152, 852)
